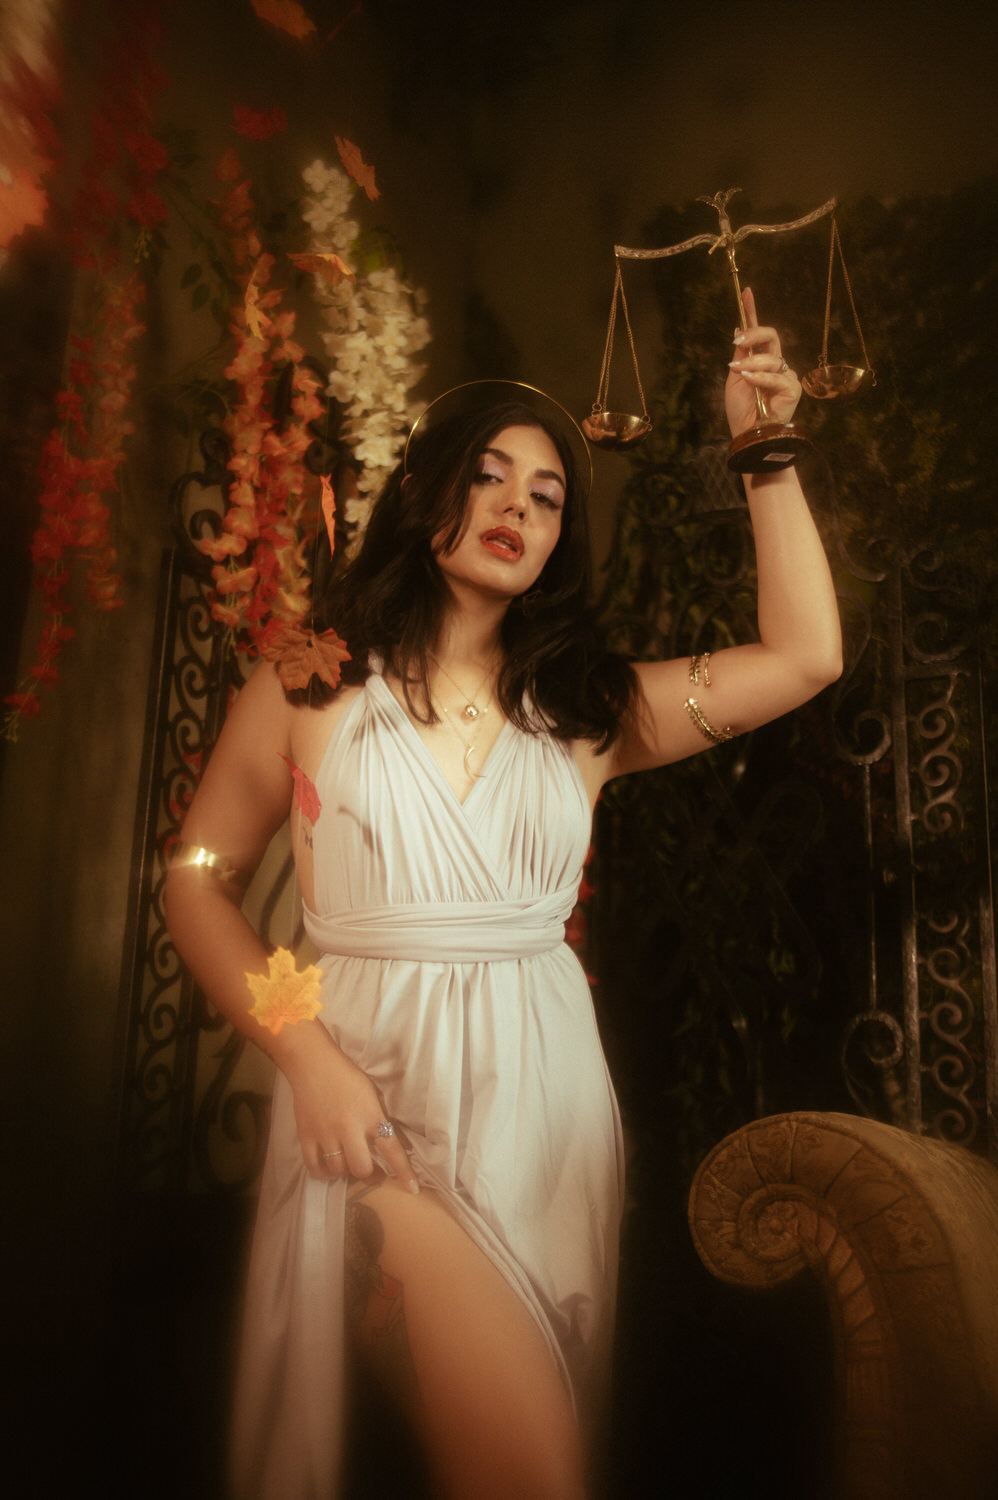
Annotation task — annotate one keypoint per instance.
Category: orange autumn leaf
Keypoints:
(329, 266)
(24, 202)
(306, 797)
(288, 15)
(229, 167)
(283, 996)
(362, 174)
(253, 311)
(300, 655)
(329, 511)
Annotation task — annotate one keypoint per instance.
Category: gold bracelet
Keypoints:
(716, 736)
(698, 664)
(219, 865)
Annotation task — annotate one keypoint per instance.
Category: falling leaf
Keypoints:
(299, 655)
(288, 15)
(283, 996)
(306, 798)
(362, 174)
(329, 511)
(259, 124)
(329, 266)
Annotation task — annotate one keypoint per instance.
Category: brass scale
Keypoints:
(768, 445)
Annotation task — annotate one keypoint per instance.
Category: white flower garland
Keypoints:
(374, 328)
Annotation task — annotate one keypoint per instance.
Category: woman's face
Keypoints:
(512, 521)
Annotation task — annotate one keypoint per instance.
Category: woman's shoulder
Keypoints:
(311, 729)
(262, 718)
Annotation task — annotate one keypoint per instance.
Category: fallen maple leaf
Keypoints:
(288, 15)
(299, 655)
(283, 996)
(329, 510)
(306, 798)
(329, 266)
(362, 174)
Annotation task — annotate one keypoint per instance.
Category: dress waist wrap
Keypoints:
(447, 931)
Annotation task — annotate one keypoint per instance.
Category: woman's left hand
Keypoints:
(757, 363)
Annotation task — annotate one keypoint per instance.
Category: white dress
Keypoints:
(448, 981)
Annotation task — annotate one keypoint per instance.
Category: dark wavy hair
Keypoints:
(392, 599)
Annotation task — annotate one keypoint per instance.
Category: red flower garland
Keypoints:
(83, 455)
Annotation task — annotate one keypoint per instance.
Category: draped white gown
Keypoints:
(448, 981)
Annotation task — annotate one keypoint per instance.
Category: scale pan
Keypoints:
(828, 381)
(614, 429)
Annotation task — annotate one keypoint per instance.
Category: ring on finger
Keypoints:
(385, 1130)
(784, 367)
(327, 1154)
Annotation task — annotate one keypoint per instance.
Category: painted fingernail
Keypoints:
(739, 336)
(414, 1187)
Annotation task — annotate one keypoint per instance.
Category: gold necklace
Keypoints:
(469, 746)
(471, 709)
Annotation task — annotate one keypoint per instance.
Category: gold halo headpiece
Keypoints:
(481, 393)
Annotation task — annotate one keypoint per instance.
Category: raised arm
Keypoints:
(243, 799)
(800, 646)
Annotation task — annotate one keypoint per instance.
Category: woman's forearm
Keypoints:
(797, 610)
(220, 947)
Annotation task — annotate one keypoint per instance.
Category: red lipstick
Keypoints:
(504, 542)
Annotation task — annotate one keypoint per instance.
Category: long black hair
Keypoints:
(392, 599)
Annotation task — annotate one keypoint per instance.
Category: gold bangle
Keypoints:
(716, 736)
(219, 865)
(697, 664)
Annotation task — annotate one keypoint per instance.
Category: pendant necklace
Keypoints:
(469, 747)
(470, 711)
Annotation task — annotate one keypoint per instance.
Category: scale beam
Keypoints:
(727, 236)
(769, 445)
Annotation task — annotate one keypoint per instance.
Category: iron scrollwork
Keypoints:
(927, 1026)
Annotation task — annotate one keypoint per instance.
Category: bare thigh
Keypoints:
(445, 1328)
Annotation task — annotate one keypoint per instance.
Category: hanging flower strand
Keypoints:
(83, 455)
(374, 328)
(259, 567)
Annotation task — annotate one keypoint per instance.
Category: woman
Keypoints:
(444, 1167)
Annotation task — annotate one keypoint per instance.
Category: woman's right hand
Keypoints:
(338, 1112)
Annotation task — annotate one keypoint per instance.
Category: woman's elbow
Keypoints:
(832, 665)
(822, 667)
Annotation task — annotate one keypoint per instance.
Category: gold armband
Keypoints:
(219, 865)
(716, 736)
(699, 664)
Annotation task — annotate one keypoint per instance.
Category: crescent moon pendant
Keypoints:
(475, 775)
